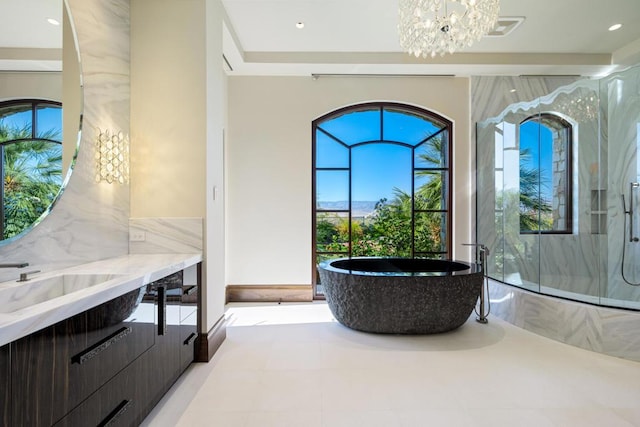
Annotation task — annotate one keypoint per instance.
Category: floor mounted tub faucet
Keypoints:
(482, 253)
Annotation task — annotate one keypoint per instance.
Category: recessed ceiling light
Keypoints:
(53, 21)
(615, 27)
(300, 25)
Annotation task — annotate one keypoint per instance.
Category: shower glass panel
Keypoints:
(570, 255)
(559, 195)
(516, 190)
(521, 199)
(621, 284)
(490, 183)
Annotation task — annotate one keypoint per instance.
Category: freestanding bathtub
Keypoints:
(400, 295)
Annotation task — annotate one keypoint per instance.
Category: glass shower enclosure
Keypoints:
(558, 192)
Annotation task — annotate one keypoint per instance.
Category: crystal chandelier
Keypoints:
(431, 27)
(581, 106)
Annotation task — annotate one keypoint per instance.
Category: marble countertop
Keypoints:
(122, 274)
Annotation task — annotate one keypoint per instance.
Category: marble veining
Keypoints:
(621, 107)
(90, 220)
(605, 330)
(121, 274)
(585, 265)
(587, 262)
(166, 235)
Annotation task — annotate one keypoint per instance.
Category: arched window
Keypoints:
(545, 174)
(381, 183)
(31, 167)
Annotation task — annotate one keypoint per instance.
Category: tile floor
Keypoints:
(294, 365)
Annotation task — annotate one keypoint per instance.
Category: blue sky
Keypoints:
(48, 118)
(377, 168)
(542, 152)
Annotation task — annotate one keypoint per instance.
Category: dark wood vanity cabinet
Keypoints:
(109, 365)
(177, 299)
(5, 386)
(55, 369)
(188, 317)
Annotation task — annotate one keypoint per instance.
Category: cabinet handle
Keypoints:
(116, 413)
(101, 346)
(190, 290)
(191, 338)
(162, 310)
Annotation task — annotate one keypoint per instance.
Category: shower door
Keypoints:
(620, 96)
(504, 194)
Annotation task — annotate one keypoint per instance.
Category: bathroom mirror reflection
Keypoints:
(39, 75)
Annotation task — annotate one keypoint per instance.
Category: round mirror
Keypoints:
(40, 110)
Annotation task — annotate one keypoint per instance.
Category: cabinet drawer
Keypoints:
(114, 404)
(189, 301)
(117, 333)
(55, 369)
(188, 335)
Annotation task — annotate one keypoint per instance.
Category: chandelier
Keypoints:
(581, 106)
(431, 27)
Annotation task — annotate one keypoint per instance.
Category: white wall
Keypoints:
(269, 164)
(177, 116)
(215, 197)
(168, 111)
(15, 85)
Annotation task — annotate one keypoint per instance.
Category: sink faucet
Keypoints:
(24, 277)
(14, 265)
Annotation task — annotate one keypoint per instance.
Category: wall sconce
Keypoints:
(112, 157)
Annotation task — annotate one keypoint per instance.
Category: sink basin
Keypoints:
(37, 290)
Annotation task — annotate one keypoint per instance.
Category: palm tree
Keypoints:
(32, 175)
(392, 228)
(430, 196)
(532, 206)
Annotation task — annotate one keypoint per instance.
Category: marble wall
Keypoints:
(562, 262)
(620, 133)
(604, 330)
(583, 265)
(490, 97)
(90, 221)
(165, 235)
(586, 264)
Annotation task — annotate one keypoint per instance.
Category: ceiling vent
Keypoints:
(506, 25)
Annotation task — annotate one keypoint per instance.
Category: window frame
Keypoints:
(559, 123)
(446, 171)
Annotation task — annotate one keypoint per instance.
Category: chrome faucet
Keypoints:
(14, 264)
(24, 277)
(482, 252)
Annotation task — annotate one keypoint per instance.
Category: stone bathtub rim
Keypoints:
(471, 267)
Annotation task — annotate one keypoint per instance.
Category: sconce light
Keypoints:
(112, 157)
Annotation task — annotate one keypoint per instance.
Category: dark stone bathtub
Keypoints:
(400, 295)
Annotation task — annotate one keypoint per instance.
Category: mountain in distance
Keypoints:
(358, 208)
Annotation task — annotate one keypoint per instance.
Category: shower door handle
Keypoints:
(632, 185)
